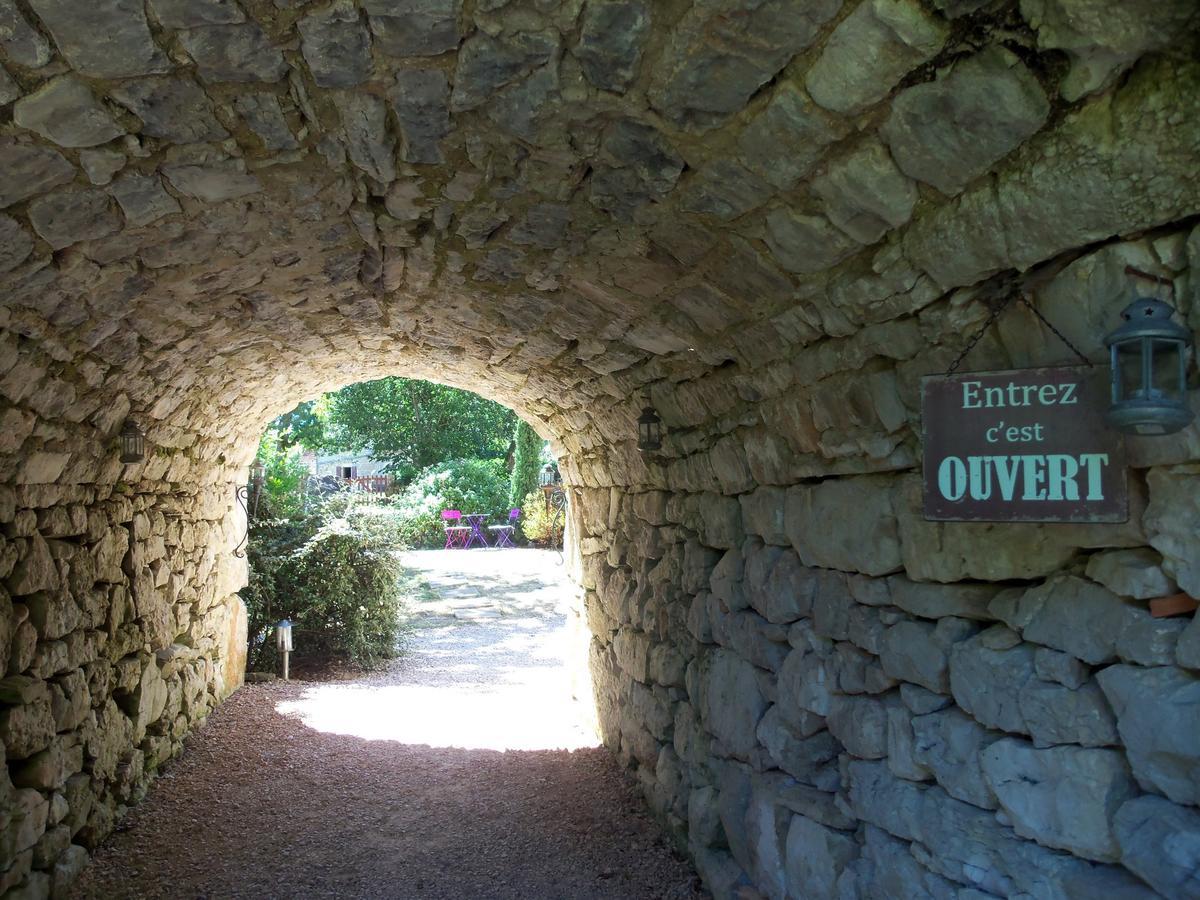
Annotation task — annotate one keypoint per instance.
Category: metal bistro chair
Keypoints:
(456, 535)
(504, 533)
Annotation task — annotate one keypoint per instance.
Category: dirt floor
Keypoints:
(463, 771)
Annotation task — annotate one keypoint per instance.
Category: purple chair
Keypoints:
(456, 535)
(504, 533)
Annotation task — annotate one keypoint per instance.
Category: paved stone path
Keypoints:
(465, 770)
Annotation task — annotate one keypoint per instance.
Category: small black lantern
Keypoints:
(649, 430)
(546, 477)
(1149, 370)
(257, 470)
(133, 443)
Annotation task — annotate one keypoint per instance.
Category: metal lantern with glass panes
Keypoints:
(283, 642)
(133, 443)
(546, 476)
(649, 430)
(1149, 370)
(283, 635)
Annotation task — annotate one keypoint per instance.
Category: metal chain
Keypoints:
(1058, 334)
(996, 310)
(995, 314)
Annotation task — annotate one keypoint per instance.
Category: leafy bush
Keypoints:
(334, 579)
(283, 475)
(468, 485)
(344, 587)
(541, 523)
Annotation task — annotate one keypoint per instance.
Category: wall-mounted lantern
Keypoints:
(242, 494)
(649, 430)
(1149, 370)
(283, 641)
(547, 477)
(133, 443)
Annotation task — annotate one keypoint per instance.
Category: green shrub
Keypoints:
(541, 523)
(468, 485)
(333, 574)
(344, 587)
(283, 476)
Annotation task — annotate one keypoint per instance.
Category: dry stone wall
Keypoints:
(770, 217)
(121, 631)
(825, 695)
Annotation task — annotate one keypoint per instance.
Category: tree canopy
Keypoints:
(411, 424)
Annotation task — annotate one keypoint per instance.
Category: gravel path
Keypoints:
(465, 770)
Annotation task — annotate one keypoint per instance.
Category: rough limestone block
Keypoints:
(15, 246)
(1160, 843)
(19, 42)
(959, 551)
(1062, 797)
(1136, 573)
(714, 62)
(1158, 716)
(986, 681)
(870, 51)
(336, 46)
(66, 112)
(815, 857)
(611, 37)
(1103, 40)
(1187, 650)
(731, 701)
(414, 27)
(784, 142)
(67, 217)
(127, 48)
(1067, 613)
(175, 109)
(845, 524)
(947, 745)
(1055, 714)
(240, 53)
(28, 728)
(763, 514)
(1173, 521)
(948, 131)
(865, 194)
(861, 724)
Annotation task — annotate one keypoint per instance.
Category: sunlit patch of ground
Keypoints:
(485, 667)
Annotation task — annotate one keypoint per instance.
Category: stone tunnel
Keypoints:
(767, 219)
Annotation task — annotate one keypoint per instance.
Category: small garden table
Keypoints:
(476, 521)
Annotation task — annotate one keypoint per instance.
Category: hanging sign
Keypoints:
(1026, 445)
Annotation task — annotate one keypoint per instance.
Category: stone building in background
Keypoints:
(766, 219)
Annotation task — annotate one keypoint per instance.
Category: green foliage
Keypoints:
(541, 523)
(283, 475)
(304, 425)
(410, 424)
(335, 580)
(526, 462)
(343, 587)
(468, 485)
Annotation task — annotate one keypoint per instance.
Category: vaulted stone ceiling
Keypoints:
(213, 209)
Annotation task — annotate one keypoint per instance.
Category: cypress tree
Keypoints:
(524, 476)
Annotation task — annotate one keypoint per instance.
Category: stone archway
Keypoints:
(768, 217)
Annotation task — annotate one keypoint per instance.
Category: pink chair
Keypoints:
(456, 534)
(504, 533)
